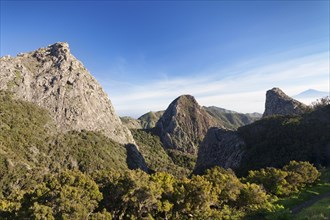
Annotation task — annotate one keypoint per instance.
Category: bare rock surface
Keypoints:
(278, 103)
(220, 147)
(53, 78)
(184, 124)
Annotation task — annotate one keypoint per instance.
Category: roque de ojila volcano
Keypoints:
(184, 124)
(65, 154)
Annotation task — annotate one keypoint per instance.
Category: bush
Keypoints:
(283, 182)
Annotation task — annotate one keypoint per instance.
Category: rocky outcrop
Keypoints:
(53, 78)
(278, 103)
(220, 147)
(184, 124)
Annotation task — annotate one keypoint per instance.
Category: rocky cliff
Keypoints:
(278, 103)
(184, 124)
(53, 78)
(220, 147)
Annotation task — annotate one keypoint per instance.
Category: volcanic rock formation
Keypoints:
(220, 147)
(53, 78)
(184, 125)
(278, 103)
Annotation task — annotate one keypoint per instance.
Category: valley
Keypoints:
(66, 154)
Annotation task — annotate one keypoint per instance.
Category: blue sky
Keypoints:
(146, 53)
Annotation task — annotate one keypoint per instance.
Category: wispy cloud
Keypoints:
(241, 88)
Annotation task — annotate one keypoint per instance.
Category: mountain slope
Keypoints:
(29, 141)
(289, 130)
(311, 93)
(279, 139)
(131, 123)
(269, 142)
(230, 119)
(146, 121)
(149, 120)
(184, 124)
(54, 79)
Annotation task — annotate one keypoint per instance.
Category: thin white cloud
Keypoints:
(242, 89)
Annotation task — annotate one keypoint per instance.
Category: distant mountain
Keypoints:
(150, 119)
(130, 122)
(268, 142)
(146, 121)
(311, 93)
(227, 118)
(231, 119)
(279, 103)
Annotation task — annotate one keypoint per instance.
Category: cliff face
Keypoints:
(53, 78)
(278, 103)
(184, 124)
(220, 147)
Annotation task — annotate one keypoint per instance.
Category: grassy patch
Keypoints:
(309, 192)
(320, 210)
(305, 195)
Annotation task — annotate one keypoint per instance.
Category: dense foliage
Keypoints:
(230, 119)
(283, 182)
(45, 174)
(155, 155)
(29, 141)
(276, 140)
(218, 194)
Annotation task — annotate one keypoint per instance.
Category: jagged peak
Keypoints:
(279, 103)
(186, 100)
(278, 92)
(59, 48)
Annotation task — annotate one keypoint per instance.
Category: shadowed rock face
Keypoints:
(220, 147)
(184, 124)
(278, 103)
(53, 78)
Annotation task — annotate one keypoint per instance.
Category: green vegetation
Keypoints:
(83, 175)
(283, 182)
(322, 186)
(319, 211)
(29, 143)
(182, 159)
(274, 141)
(229, 119)
(134, 194)
(87, 151)
(156, 157)
(150, 119)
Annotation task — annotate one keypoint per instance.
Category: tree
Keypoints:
(301, 173)
(193, 198)
(272, 179)
(66, 195)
